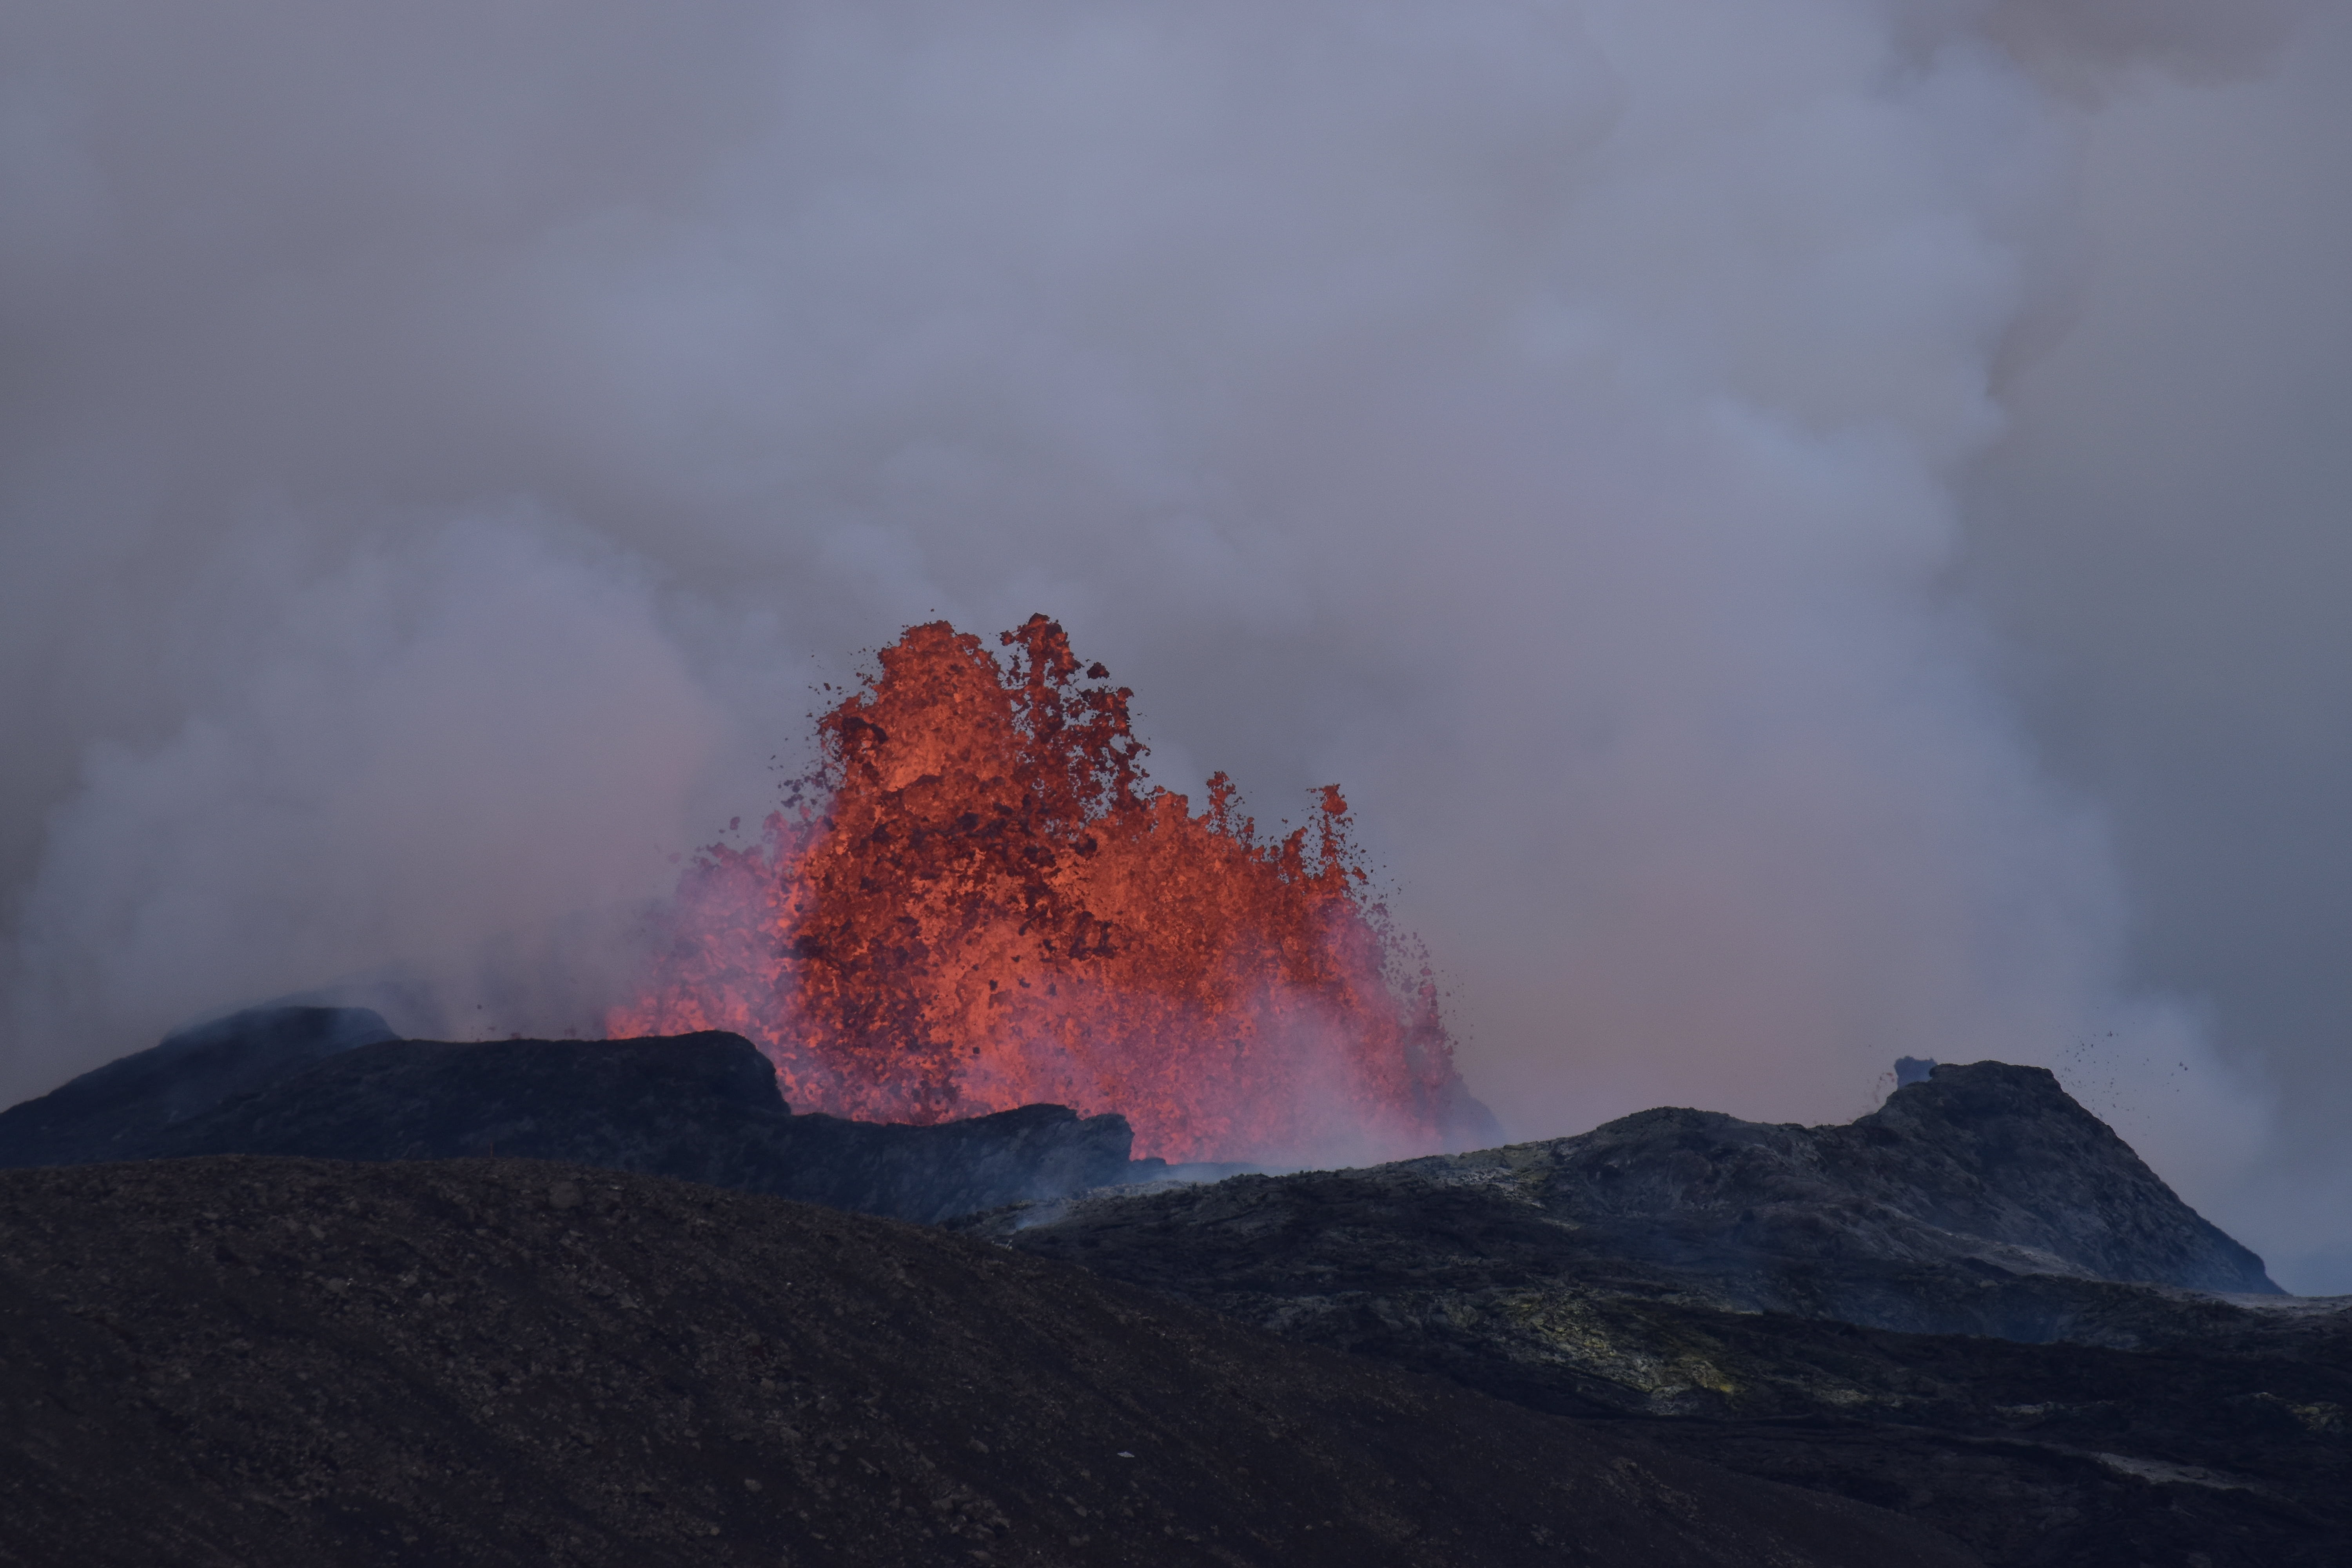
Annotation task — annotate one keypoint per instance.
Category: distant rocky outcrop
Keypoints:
(2004, 1153)
(120, 1110)
(1979, 1200)
(703, 1107)
(1976, 1306)
(1983, 1171)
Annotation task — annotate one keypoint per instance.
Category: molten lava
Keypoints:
(977, 902)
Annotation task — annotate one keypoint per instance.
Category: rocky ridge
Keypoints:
(1974, 1308)
(1977, 1296)
(119, 1112)
(1982, 1200)
(273, 1363)
(332, 1084)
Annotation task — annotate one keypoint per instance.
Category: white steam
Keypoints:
(1542, 417)
(457, 746)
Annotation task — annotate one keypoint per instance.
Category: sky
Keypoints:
(1811, 531)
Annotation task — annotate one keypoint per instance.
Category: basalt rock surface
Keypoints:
(1976, 1306)
(120, 1110)
(704, 1107)
(275, 1364)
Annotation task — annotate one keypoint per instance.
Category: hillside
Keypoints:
(260, 1361)
(1977, 1307)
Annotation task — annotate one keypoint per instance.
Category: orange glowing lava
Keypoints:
(977, 903)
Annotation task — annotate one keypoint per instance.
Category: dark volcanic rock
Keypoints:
(2003, 1152)
(265, 1362)
(1734, 1289)
(1984, 1170)
(117, 1111)
(1983, 1200)
(702, 1107)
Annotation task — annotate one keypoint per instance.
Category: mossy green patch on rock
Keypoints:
(1908, 1310)
(267, 1362)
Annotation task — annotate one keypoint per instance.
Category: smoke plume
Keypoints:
(444, 444)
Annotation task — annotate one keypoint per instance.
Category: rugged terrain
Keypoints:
(120, 1110)
(333, 1083)
(256, 1362)
(1976, 1306)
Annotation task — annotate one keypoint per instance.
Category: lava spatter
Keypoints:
(978, 901)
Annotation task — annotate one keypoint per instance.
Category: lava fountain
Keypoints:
(977, 901)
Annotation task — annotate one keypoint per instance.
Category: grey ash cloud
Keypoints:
(1669, 460)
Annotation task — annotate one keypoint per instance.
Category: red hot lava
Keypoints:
(978, 902)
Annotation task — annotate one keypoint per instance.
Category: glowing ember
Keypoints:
(977, 903)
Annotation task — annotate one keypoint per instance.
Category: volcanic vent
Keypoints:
(977, 902)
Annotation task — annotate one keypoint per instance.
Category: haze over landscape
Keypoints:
(1811, 531)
